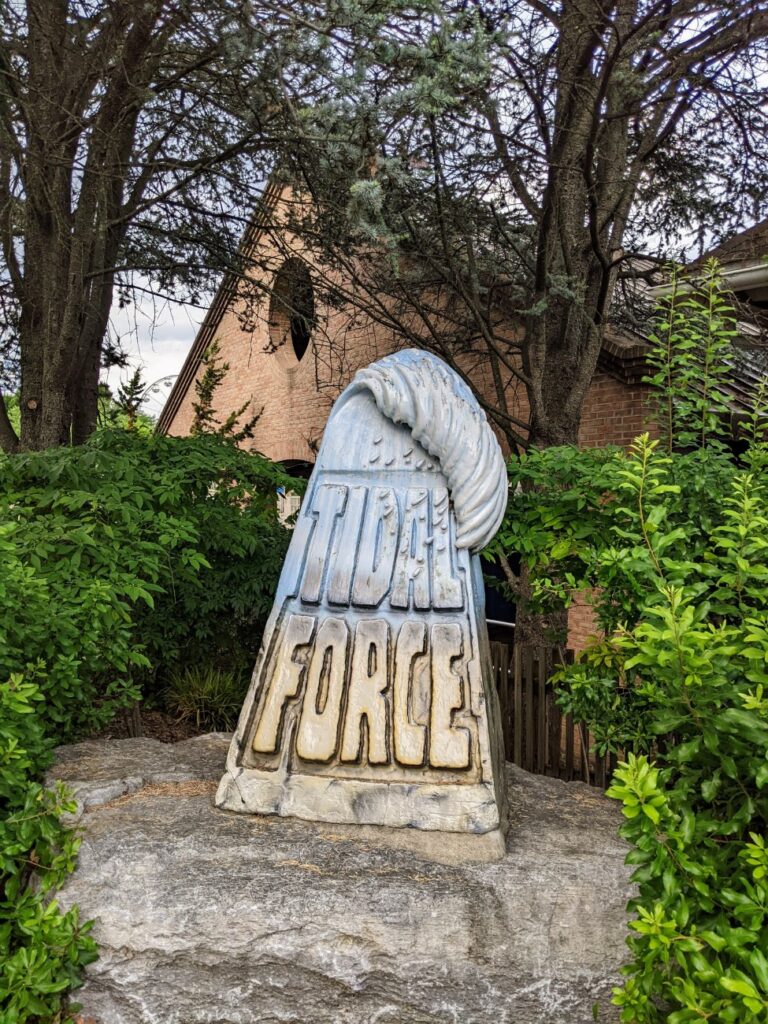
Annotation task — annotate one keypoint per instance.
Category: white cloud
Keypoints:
(156, 335)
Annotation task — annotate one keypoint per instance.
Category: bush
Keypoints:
(674, 548)
(149, 553)
(119, 562)
(671, 539)
(686, 679)
(209, 696)
(42, 950)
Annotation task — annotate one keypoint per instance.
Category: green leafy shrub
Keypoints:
(42, 950)
(691, 342)
(675, 550)
(671, 540)
(209, 696)
(562, 517)
(151, 552)
(119, 562)
(686, 681)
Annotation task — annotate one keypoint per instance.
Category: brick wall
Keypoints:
(582, 624)
(295, 396)
(614, 413)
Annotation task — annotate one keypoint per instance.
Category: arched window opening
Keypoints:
(292, 310)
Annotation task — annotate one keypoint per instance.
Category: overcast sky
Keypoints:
(156, 335)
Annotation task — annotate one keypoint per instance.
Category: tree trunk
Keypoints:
(46, 410)
(31, 394)
(561, 358)
(56, 419)
(74, 188)
(85, 396)
(64, 318)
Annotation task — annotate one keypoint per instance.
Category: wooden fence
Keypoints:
(537, 736)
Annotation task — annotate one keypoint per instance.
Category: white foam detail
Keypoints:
(420, 390)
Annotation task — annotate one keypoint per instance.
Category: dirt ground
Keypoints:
(156, 725)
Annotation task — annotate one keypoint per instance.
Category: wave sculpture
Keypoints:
(418, 389)
(372, 701)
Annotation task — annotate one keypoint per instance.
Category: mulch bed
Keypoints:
(156, 725)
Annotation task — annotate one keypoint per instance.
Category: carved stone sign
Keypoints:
(372, 701)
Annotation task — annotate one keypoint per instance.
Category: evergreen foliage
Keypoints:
(205, 414)
(475, 169)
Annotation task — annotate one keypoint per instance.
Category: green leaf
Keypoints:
(743, 988)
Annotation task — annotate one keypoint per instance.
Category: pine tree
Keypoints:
(205, 421)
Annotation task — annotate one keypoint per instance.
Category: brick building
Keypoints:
(294, 373)
(291, 356)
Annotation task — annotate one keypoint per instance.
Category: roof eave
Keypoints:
(216, 310)
(738, 279)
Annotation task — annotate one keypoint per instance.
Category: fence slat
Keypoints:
(599, 771)
(569, 727)
(584, 772)
(554, 735)
(496, 655)
(504, 686)
(541, 700)
(529, 709)
(537, 736)
(517, 683)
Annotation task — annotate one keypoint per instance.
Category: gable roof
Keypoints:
(750, 246)
(221, 302)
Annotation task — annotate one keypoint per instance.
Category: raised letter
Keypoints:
(284, 683)
(378, 545)
(367, 684)
(345, 548)
(448, 747)
(319, 726)
(446, 588)
(297, 550)
(328, 504)
(410, 738)
(412, 555)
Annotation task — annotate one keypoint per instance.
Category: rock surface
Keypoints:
(209, 917)
(99, 771)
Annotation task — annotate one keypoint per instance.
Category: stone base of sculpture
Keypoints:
(394, 819)
(202, 915)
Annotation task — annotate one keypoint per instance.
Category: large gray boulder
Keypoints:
(208, 917)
